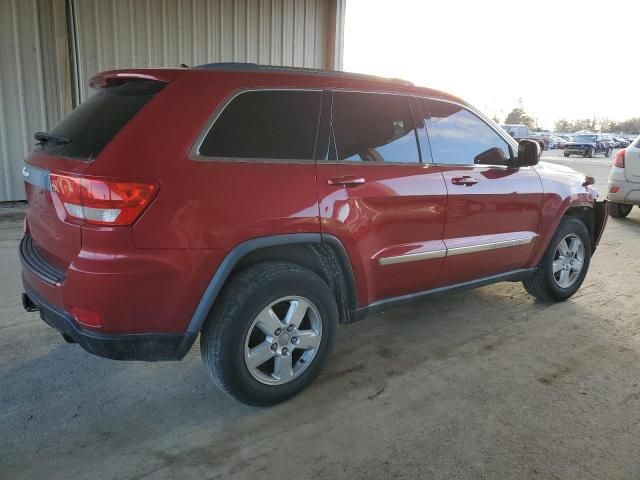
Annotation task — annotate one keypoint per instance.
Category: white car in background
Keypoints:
(624, 181)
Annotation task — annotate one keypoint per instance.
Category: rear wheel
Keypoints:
(619, 210)
(564, 264)
(608, 152)
(270, 333)
(566, 154)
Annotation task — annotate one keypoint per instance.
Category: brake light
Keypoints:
(619, 161)
(100, 202)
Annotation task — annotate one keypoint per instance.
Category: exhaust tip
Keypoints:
(28, 304)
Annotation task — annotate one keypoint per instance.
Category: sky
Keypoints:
(563, 58)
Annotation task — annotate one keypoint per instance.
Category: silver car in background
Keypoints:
(624, 181)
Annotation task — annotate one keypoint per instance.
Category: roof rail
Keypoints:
(255, 67)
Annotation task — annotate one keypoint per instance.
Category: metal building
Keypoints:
(50, 48)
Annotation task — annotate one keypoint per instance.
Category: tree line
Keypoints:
(519, 116)
(631, 126)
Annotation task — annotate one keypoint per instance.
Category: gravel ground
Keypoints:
(482, 384)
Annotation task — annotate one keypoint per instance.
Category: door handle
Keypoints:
(346, 181)
(466, 180)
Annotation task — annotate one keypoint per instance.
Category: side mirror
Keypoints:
(492, 156)
(528, 153)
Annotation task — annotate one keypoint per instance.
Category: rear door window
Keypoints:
(91, 126)
(371, 127)
(266, 124)
(459, 137)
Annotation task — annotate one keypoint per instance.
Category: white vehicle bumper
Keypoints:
(628, 192)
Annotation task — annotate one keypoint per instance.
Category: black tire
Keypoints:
(591, 153)
(619, 210)
(566, 154)
(222, 341)
(608, 152)
(542, 285)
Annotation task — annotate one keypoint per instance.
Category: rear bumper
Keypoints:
(149, 347)
(628, 192)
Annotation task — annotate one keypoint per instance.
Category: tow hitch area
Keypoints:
(28, 305)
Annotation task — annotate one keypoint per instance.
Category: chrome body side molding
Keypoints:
(463, 245)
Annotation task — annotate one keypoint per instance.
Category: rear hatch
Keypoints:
(632, 161)
(70, 148)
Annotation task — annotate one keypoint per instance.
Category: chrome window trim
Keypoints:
(194, 151)
(461, 250)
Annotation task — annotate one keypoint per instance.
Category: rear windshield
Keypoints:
(92, 125)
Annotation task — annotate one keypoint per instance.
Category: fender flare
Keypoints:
(227, 265)
(536, 256)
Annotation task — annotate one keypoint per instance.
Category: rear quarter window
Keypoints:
(268, 124)
(97, 120)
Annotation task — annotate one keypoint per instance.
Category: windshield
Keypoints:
(585, 138)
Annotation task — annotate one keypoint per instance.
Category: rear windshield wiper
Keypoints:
(44, 137)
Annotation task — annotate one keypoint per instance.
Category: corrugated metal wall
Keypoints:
(34, 90)
(50, 48)
(166, 33)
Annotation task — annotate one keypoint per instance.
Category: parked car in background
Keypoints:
(562, 141)
(522, 132)
(588, 145)
(288, 202)
(624, 181)
(608, 139)
(621, 142)
(556, 141)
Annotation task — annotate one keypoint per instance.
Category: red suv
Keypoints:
(261, 206)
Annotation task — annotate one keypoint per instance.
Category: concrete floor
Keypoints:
(483, 384)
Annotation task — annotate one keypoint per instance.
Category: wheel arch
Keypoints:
(323, 254)
(586, 215)
(585, 212)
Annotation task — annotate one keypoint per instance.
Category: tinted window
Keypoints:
(92, 125)
(266, 124)
(459, 137)
(374, 128)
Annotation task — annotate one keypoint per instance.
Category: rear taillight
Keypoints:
(619, 161)
(100, 202)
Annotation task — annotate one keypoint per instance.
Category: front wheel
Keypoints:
(270, 333)
(564, 264)
(608, 152)
(566, 154)
(619, 210)
(591, 153)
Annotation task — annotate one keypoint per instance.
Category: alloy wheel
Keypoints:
(568, 260)
(283, 340)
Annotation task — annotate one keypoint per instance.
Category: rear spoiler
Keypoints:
(112, 78)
